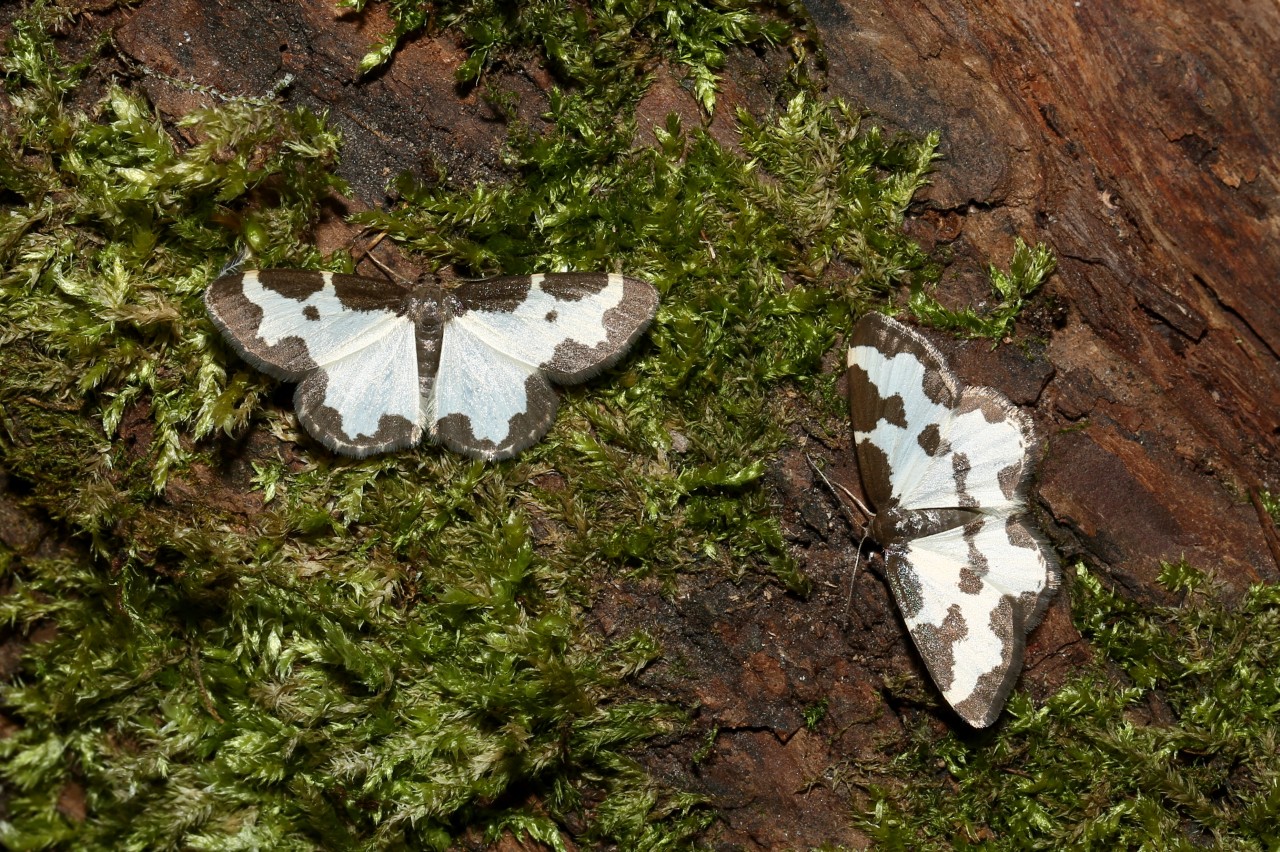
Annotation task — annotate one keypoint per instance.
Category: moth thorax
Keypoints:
(424, 306)
(893, 523)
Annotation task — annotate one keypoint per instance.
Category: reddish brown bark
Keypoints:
(1138, 139)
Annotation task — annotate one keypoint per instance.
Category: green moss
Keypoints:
(390, 651)
(1028, 270)
(736, 245)
(1271, 504)
(814, 714)
(1169, 742)
(594, 46)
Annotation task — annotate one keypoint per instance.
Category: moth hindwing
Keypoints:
(945, 468)
(378, 365)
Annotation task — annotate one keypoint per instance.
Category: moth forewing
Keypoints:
(570, 325)
(946, 468)
(286, 321)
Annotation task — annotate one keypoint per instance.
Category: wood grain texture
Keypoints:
(1134, 140)
(409, 116)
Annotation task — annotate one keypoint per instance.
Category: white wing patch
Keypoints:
(329, 329)
(969, 574)
(365, 399)
(485, 398)
(526, 334)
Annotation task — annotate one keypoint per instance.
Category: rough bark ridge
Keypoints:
(1137, 139)
(1132, 139)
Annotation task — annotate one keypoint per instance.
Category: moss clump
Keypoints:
(1028, 271)
(1271, 504)
(388, 651)
(1169, 743)
(737, 246)
(601, 47)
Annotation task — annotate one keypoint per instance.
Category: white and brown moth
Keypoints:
(945, 468)
(378, 365)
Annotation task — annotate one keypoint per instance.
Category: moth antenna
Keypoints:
(372, 245)
(863, 506)
(388, 271)
(848, 516)
(853, 526)
(853, 578)
(366, 253)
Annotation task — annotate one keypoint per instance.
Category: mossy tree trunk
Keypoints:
(1141, 142)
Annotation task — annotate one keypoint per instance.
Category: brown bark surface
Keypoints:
(1138, 139)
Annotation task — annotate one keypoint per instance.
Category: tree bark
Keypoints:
(1138, 139)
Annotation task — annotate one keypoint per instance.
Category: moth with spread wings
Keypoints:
(945, 469)
(379, 365)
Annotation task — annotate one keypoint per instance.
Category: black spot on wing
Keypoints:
(893, 410)
(976, 567)
(1018, 533)
(1033, 604)
(936, 644)
(574, 361)
(937, 388)
(296, 284)
(503, 294)
(960, 469)
(574, 286)
(867, 407)
(360, 293)
(930, 440)
(1011, 479)
(907, 589)
(993, 407)
(864, 401)
(876, 473)
(997, 408)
